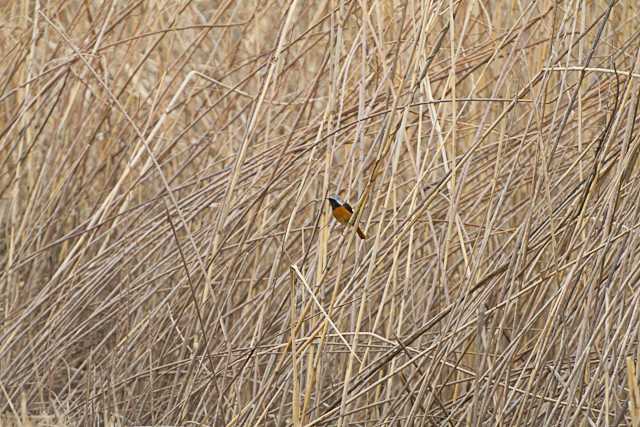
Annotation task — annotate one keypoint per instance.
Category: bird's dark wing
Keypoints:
(348, 207)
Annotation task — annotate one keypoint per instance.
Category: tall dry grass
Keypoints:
(168, 256)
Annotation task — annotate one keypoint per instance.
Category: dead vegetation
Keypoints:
(168, 256)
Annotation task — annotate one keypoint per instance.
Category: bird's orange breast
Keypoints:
(342, 214)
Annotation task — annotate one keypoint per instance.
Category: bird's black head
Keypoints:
(335, 201)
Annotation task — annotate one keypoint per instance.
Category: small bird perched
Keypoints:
(342, 211)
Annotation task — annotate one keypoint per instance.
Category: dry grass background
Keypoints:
(168, 256)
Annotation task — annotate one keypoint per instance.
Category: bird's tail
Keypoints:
(360, 233)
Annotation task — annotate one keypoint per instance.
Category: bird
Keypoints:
(342, 212)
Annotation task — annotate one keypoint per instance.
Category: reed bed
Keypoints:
(168, 256)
